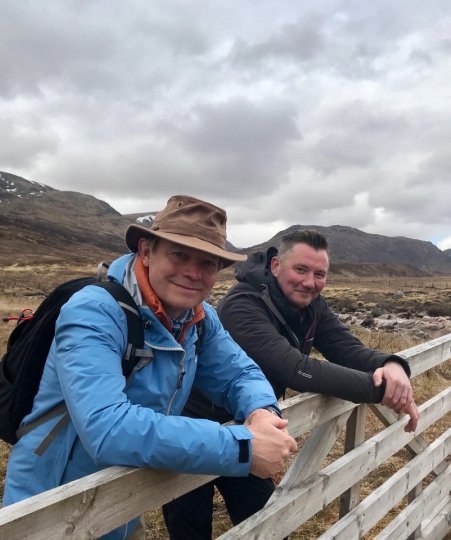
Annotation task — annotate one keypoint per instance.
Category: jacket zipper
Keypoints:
(181, 374)
(181, 370)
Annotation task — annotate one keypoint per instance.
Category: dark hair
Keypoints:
(312, 238)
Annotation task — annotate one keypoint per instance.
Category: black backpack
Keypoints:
(28, 345)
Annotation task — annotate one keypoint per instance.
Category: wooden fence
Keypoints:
(94, 505)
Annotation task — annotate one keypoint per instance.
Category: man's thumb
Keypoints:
(281, 423)
(377, 377)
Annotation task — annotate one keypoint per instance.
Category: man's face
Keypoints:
(301, 274)
(181, 277)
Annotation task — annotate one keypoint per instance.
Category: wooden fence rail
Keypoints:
(96, 504)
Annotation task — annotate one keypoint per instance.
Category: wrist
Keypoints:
(273, 410)
(401, 362)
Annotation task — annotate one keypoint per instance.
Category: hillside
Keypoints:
(45, 224)
(376, 253)
(42, 224)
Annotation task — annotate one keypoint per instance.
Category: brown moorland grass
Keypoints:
(23, 287)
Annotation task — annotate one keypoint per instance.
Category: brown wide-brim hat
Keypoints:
(189, 222)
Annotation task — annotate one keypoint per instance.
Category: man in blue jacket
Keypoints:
(276, 314)
(169, 273)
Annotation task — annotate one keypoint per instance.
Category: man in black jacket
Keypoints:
(276, 314)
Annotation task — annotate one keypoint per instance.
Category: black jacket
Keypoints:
(280, 339)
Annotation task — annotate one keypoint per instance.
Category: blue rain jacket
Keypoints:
(138, 425)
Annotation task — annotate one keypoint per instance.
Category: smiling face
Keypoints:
(181, 277)
(301, 273)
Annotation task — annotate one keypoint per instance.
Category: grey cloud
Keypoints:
(420, 57)
(241, 126)
(49, 46)
(21, 146)
(355, 135)
(318, 112)
(337, 151)
(296, 41)
(223, 148)
(435, 170)
(75, 48)
(239, 143)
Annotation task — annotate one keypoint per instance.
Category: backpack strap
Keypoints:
(266, 299)
(134, 358)
(135, 355)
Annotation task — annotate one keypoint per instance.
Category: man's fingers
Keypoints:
(294, 446)
(271, 445)
(414, 416)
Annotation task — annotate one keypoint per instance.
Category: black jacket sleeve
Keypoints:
(256, 331)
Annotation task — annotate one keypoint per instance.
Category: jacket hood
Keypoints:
(118, 267)
(253, 271)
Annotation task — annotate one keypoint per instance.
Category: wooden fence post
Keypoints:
(355, 435)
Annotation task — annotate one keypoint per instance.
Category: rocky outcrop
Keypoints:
(420, 325)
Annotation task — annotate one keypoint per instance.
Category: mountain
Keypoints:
(40, 224)
(349, 246)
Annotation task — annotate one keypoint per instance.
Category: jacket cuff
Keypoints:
(381, 391)
(403, 363)
(244, 448)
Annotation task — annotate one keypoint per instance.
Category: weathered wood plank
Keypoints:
(427, 355)
(360, 520)
(306, 411)
(313, 452)
(440, 526)
(423, 506)
(293, 507)
(417, 445)
(93, 505)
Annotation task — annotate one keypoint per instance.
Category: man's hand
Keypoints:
(398, 391)
(271, 445)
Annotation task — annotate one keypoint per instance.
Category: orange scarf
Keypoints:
(152, 300)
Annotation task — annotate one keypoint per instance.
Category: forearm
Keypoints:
(323, 377)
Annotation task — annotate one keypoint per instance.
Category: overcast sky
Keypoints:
(283, 112)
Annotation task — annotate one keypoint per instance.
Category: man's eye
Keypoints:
(208, 264)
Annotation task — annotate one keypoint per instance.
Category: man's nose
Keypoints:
(193, 270)
(309, 280)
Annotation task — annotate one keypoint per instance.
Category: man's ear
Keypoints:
(275, 265)
(144, 250)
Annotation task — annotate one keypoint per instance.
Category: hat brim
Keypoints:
(135, 232)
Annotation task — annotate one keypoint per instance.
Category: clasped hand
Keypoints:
(398, 392)
(271, 445)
